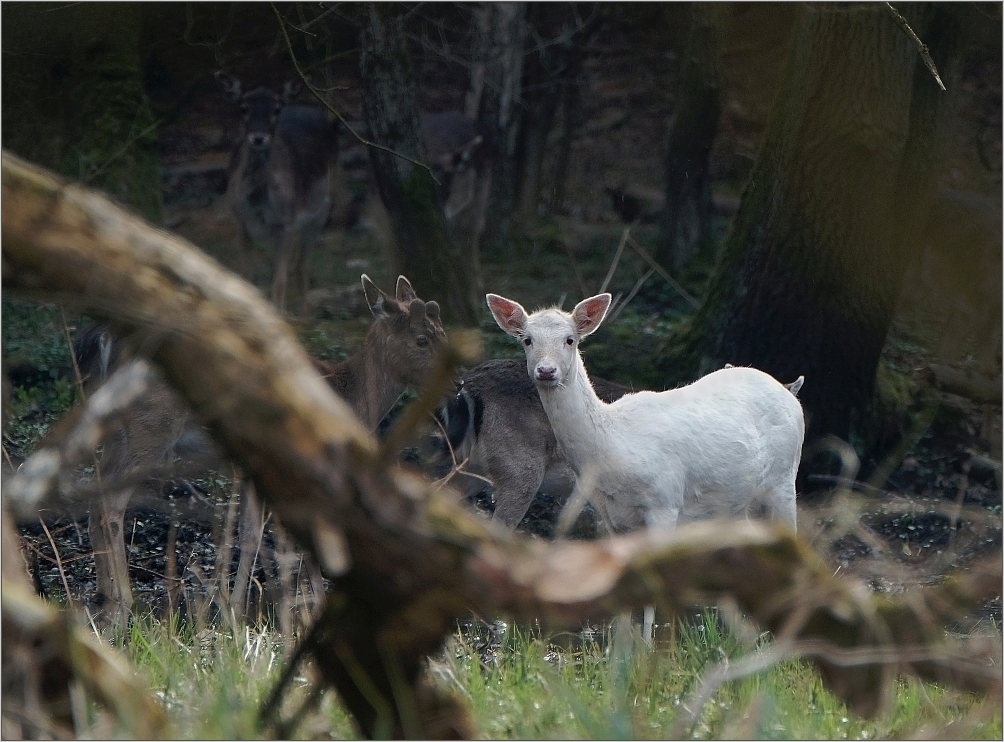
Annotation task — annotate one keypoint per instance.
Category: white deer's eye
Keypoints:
(570, 340)
(527, 342)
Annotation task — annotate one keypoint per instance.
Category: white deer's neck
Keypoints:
(578, 417)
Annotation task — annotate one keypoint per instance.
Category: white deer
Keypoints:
(727, 445)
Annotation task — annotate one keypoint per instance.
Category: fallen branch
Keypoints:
(404, 558)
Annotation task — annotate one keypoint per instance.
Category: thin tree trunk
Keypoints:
(561, 35)
(692, 127)
(500, 30)
(425, 250)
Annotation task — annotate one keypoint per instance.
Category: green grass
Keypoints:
(212, 682)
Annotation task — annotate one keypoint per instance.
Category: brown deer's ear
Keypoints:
(230, 84)
(405, 293)
(290, 90)
(380, 304)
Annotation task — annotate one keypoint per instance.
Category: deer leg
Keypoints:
(111, 563)
(516, 480)
(250, 530)
(283, 256)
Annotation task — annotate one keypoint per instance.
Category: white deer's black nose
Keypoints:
(258, 140)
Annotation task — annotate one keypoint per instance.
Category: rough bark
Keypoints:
(808, 276)
(405, 558)
(497, 54)
(424, 249)
(561, 31)
(690, 133)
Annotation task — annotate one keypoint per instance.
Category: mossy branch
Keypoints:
(414, 558)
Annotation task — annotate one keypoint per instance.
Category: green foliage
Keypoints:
(34, 343)
(320, 344)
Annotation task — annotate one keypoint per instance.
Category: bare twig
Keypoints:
(925, 53)
(631, 294)
(643, 253)
(73, 356)
(59, 562)
(616, 260)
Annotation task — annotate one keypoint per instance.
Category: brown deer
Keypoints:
(497, 424)
(279, 181)
(399, 349)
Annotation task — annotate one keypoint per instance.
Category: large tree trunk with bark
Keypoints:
(810, 272)
(691, 131)
(424, 249)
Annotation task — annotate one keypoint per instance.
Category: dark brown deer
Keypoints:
(399, 349)
(279, 180)
(497, 424)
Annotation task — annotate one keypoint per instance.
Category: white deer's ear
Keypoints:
(589, 313)
(405, 293)
(380, 304)
(510, 316)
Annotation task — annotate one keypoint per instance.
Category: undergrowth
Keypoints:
(524, 685)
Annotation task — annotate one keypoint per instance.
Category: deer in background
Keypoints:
(722, 446)
(279, 182)
(399, 350)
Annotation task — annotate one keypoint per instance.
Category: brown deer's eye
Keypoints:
(570, 340)
(422, 341)
(527, 342)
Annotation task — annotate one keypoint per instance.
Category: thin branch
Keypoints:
(663, 272)
(925, 54)
(59, 563)
(616, 260)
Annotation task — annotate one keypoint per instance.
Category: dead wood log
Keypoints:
(405, 558)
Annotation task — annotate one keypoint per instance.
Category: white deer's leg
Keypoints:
(648, 624)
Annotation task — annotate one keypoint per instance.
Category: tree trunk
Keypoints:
(690, 134)
(549, 69)
(117, 147)
(500, 30)
(808, 276)
(424, 249)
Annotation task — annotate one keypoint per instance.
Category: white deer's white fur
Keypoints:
(726, 445)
